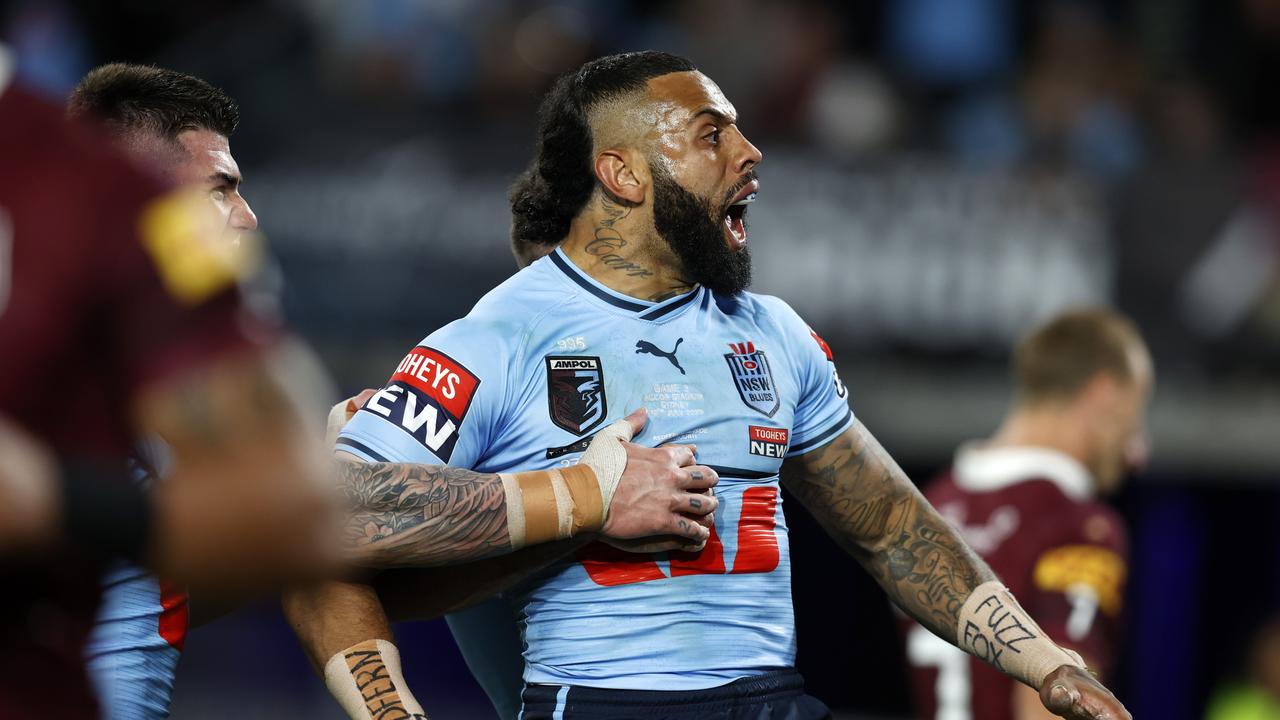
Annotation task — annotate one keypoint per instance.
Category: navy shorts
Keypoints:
(772, 696)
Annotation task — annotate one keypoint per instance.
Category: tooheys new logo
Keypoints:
(427, 397)
(768, 441)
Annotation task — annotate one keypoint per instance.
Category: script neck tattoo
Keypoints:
(608, 241)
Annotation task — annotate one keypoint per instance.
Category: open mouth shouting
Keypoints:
(734, 223)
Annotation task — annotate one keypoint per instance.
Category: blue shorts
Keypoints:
(133, 650)
(772, 696)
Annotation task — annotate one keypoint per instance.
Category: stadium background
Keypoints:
(939, 175)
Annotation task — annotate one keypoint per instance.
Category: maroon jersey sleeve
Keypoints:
(1077, 583)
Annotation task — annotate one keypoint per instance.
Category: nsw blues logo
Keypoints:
(575, 393)
(751, 374)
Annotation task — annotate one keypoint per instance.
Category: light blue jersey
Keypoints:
(550, 356)
(132, 652)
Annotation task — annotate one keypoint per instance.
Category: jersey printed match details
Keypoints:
(575, 392)
(427, 397)
(751, 374)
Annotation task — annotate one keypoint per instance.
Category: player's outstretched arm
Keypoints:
(403, 515)
(245, 506)
(868, 505)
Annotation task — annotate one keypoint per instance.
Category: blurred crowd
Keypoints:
(1131, 145)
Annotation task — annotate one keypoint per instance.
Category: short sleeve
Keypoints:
(823, 411)
(1077, 585)
(440, 405)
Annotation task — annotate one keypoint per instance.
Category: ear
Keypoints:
(1100, 391)
(621, 176)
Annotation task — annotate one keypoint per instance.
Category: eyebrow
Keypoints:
(716, 115)
(222, 178)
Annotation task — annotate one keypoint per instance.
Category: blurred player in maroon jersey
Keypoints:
(182, 127)
(120, 315)
(1027, 500)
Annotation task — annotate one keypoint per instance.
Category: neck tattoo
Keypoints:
(608, 241)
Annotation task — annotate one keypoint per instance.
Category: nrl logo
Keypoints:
(751, 374)
(575, 393)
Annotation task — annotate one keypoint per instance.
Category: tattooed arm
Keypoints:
(868, 505)
(424, 515)
(864, 500)
(421, 515)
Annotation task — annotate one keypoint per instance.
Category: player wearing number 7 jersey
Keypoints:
(1026, 500)
(643, 178)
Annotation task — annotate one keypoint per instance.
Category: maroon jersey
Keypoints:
(1028, 512)
(99, 297)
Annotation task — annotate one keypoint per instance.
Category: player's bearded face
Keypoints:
(694, 229)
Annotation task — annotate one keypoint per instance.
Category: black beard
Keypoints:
(694, 230)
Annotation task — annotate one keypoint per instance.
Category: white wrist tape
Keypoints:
(339, 416)
(608, 459)
(557, 504)
(996, 630)
(367, 682)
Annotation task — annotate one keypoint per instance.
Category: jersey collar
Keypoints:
(987, 469)
(643, 309)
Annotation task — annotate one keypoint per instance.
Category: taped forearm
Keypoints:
(994, 628)
(559, 504)
(552, 505)
(368, 683)
(404, 515)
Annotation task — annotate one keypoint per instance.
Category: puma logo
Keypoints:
(644, 346)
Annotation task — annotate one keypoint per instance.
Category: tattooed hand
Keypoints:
(662, 493)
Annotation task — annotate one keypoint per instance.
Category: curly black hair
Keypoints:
(547, 195)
